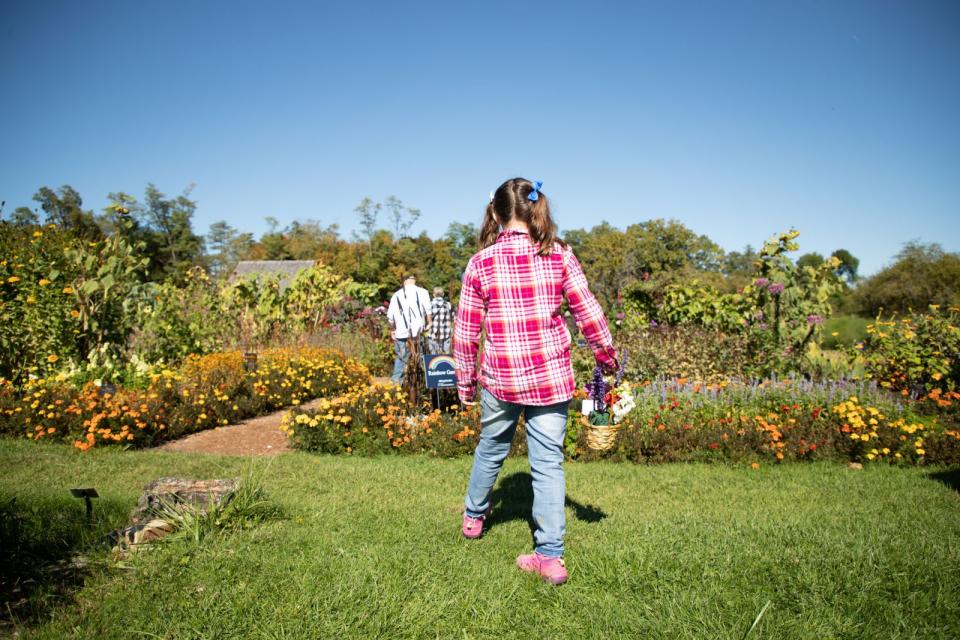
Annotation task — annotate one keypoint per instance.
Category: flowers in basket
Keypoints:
(603, 408)
(595, 405)
(607, 404)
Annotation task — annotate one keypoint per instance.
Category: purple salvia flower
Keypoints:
(621, 370)
(597, 388)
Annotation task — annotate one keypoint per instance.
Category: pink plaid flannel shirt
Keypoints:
(516, 296)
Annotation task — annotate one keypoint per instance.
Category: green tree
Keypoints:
(667, 245)
(274, 242)
(170, 219)
(227, 247)
(401, 216)
(739, 267)
(64, 208)
(848, 265)
(647, 255)
(367, 212)
(24, 217)
(922, 274)
(605, 261)
(810, 260)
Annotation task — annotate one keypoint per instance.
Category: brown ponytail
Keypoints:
(543, 230)
(490, 227)
(512, 201)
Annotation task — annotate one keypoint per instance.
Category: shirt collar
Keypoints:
(509, 233)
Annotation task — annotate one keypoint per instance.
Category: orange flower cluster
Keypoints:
(381, 420)
(204, 392)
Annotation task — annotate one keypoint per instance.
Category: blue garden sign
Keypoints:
(440, 372)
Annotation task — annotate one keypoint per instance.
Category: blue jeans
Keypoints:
(402, 350)
(441, 345)
(546, 429)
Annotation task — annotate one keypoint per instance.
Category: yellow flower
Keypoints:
(835, 333)
(52, 358)
(44, 282)
(870, 456)
(37, 234)
(937, 375)
(68, 290)
(920, 452)
(13, 279)
(74, 313)
(31, 300)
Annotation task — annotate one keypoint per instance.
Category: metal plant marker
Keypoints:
(86, 494)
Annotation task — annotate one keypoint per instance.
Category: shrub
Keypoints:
(659, 352)
(39, 318)
(915, 354)
(777, 317)
(177, 319)
(360, 333)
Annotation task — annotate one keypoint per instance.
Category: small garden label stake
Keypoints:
(86, 494)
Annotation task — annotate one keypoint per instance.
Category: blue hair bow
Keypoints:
(535, 194)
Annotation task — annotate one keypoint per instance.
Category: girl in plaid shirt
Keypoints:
(513, 289)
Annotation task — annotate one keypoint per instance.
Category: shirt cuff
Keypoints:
(607, 359)
(466, 394)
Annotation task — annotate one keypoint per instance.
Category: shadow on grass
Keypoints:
(512, 499)
(949, 477)
(47, 549)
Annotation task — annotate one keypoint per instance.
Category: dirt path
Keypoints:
(260, 436)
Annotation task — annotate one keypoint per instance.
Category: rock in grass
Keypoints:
(135, 536)
(198, 494)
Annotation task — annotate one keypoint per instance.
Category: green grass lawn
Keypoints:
(371, 548)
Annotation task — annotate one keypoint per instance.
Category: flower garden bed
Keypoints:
(674, 421)
(204, 392)
(768, 422)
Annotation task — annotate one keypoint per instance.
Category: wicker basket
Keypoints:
(600, 437)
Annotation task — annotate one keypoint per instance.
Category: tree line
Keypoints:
(648, 255)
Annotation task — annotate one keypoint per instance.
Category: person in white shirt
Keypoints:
(409, 316)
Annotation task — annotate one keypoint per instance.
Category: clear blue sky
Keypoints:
(841, 119)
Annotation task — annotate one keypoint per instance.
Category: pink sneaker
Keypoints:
(552, 570)
(473, 527)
